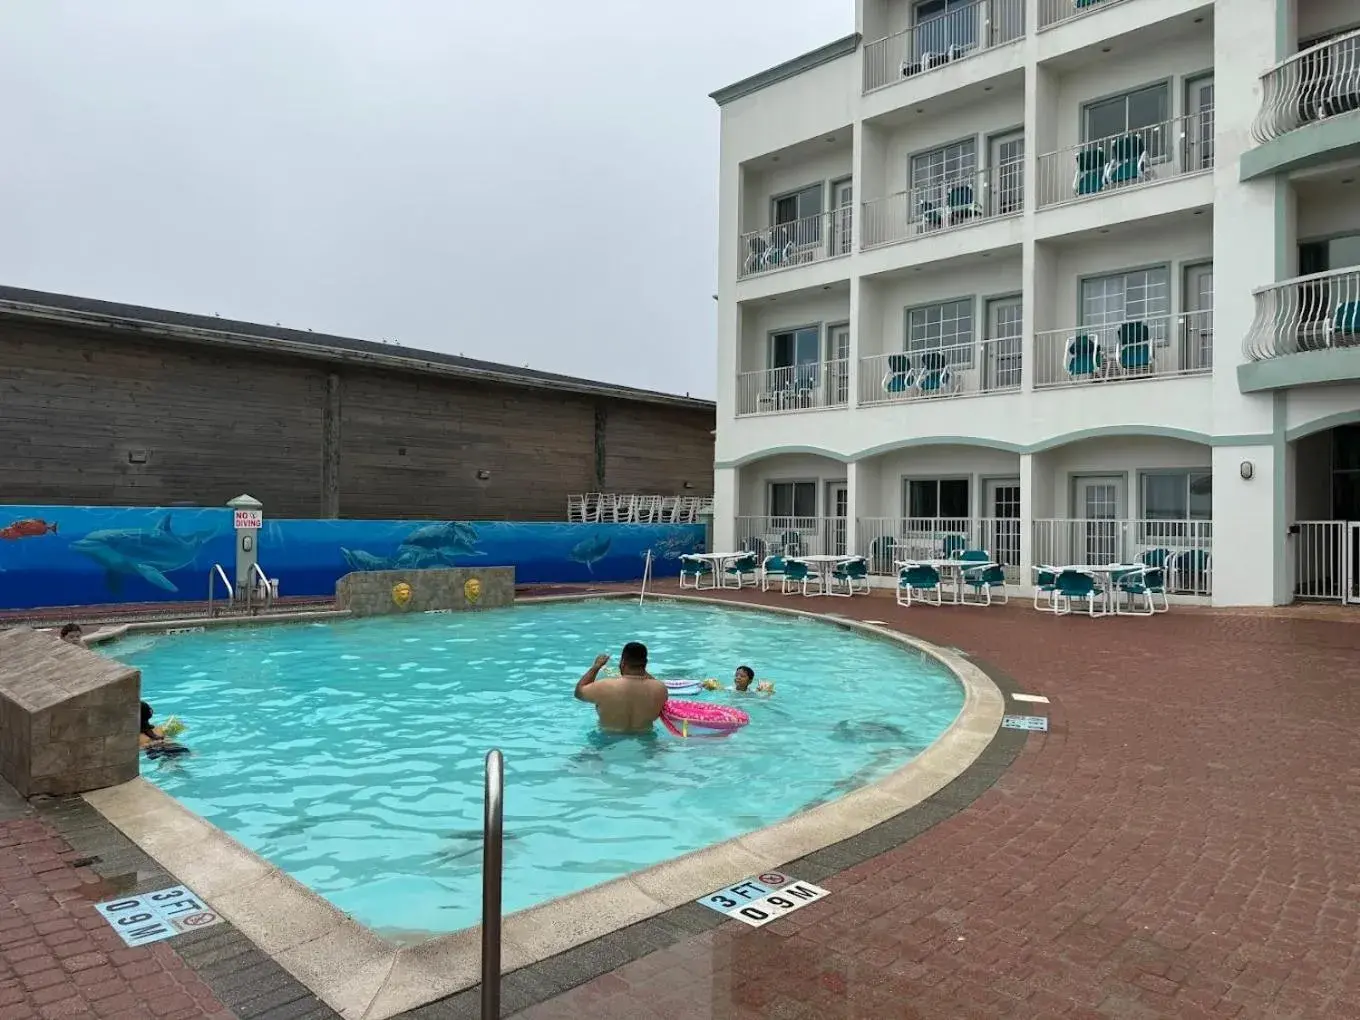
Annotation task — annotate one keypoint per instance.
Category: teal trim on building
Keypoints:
(1307, 368)
(1333, 140)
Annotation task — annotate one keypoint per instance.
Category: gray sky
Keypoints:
(530, 182)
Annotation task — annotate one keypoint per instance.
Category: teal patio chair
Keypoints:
(1345, 324)
(916, 582)
(797, 577)
(1090, 176)
(983, 582)
(1083, 356)
(1045, 578)
(772, 567)
(696, 570)
(1128, 161)
(882, 552)
(1135, 347)
(741, 569)
(791, 542)
(1074, 586)
(1145, 583)
(852, 574)
(952, 545)
(965, 574)
(935, 375)
(1191, 572)
(900, 378)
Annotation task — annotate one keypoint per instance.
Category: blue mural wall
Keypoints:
(75, 556)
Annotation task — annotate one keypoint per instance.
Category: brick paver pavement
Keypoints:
(59, 960)
(1183, 843)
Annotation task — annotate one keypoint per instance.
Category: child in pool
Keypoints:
(745, 676)
(152, 739)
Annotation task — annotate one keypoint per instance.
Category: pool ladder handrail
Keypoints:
(493, 836)
(213, 575)
(646, 575)
(267, 599)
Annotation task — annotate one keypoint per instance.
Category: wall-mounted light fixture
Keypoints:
(137, 457)
(688, 485)
(1246, 469)
(483, 474)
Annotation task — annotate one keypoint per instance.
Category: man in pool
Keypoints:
(630, 702)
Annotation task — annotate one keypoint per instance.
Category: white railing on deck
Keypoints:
(805, 387)
(1127, 160)
(886, 540)
(1183, 548)
(1320, 568)
(796, 243)
(622, 508)
(1055, 12)
(792, 536)
(984, 366)
(1307, 313)
(1158, 347)
(1319, 82)
(958, 201)
(943, 39)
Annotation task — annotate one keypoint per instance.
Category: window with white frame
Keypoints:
(933, 498)
(1177, 495)
(1143, 295)
(798, 205)
(1142, 113)
(946, 328)
(942, 25)
(793, 499)
(933, 173)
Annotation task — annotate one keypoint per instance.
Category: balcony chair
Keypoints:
(1341, 91)
(961, 204)
(1074, 586)
(791, 542)
(936, 376)
(933, 216)
(853, 575)
(1144, 583)
(1343, 328)
(1083, 356)
(1090, 175)
(916, 583)
(1128, 161)
(1135, 347)
(900, 378)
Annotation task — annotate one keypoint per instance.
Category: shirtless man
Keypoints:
(630, 702)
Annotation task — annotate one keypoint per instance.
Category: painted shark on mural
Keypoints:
(430, 545)
(141, 552)
(590, 551)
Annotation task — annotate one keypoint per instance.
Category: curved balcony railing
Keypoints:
(1307, 313)
(1312, 85)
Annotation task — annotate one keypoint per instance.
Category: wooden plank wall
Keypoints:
(103, 419)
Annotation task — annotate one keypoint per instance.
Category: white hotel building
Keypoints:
(967, 291)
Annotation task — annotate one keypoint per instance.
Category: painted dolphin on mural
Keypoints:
(446, 540)
(360, 560)
(146, 553)
(590, 551)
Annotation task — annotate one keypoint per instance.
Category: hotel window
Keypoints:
(936, 497)
(1140, 296)
(934, 172)
(1177, 495)
(793, 499)
(1144, 113)
(946, 327)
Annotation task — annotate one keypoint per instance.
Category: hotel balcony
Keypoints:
(959, 33)
(807, 387)
(987, 366)
(1156, 347)
(796, 242)
(945, 205)
(1132, 159)
(1320, 312)
(1055, 12)
(1320, 82)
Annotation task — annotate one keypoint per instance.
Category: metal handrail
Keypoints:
(646, 574)
(214, 573)
(492, 846)
(268, 598)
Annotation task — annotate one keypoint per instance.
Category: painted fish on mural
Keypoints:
(29, 528)
(430, 545)
(148, 554)
(360, 560)
(590, 551)
(673, 547)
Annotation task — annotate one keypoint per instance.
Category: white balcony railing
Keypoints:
(805, 387)
(1157, 347)
(886, 540)
(1134, 158)
(1055, 12)
(797, 243)
(984, 366)
(959, 201)
(792, 536)
(1319, 82)
(962, 32)
(1307, 313)
(1320, 567)
(1183, 548)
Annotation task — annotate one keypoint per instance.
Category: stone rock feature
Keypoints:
(385, 592)
(68, 717)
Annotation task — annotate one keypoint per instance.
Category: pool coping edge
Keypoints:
(365, 977)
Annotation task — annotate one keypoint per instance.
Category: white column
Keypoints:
(1246, 525)
(1027, 483)
(725, 508)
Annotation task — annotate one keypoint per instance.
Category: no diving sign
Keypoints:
(151, 917)
(764, 898)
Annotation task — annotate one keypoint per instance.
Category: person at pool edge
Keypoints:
(630, 702)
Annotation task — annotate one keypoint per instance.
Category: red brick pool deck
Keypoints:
(1182, 843)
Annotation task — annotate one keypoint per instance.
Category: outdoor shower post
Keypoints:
(248, 516)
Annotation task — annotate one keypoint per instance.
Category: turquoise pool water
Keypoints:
(351, 754)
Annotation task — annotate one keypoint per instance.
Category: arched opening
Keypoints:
(792, 504)
(1322, 491)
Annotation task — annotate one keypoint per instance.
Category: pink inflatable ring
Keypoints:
(700, 719)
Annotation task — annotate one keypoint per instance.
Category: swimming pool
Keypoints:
(350, 753)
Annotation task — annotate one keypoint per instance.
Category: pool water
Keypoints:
(350, 754)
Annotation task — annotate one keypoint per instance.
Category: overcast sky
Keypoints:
(533, 182)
